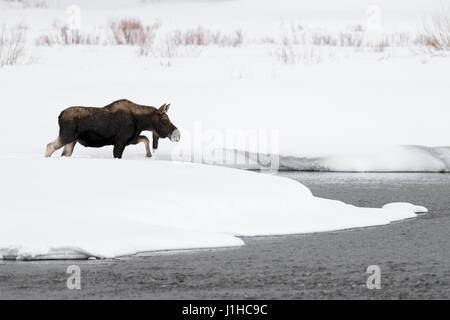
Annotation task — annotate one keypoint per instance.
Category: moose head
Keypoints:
(164, 128)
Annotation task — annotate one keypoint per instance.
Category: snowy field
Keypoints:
(313, 81)
(323, 85)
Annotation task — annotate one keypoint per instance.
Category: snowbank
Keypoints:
(78, 208)
(361, 159)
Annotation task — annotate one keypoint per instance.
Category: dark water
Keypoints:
(413, 256)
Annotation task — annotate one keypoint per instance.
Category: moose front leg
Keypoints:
(146, 142)
(155, 141)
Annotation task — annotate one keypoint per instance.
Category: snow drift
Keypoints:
(80, 208)
(360, 159)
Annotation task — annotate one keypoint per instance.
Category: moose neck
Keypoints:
(147, 122)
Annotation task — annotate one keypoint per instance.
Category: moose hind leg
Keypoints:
(68, 149)
(53, 146)
(118, 150)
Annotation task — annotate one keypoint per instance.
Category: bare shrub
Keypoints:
(285, 53)
(357, 28)
(185, 43)
(62, 35)
(130, 31)
(266, 40)
(123, 32)
(204, 37)
(436, 32)
(31, 3)
(381, 46)
(339, 39)
(351, 39)
(323, 39)
(166, 48)
(354, 36)
(291, 54)
(12, 45)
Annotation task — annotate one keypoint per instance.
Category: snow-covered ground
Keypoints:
(81, 208)
(339, 104)
(312, 84)
(364, 159)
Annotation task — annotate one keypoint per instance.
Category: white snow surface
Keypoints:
(81, 208)
(374, 111)
(405, 206)
(361, 159)
(344, 128)
(334, 110)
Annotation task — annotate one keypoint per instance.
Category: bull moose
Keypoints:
(119, 124)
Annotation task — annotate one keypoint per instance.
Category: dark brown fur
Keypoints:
(119, 124)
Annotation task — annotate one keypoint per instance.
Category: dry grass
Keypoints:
(128, 31)
(204, 37)
(355, 36)
(436, 32)
(67, 37)
(166, 48)
(290, 54)
(62, 35)
(380, 46)
(131, 31)
(12, 45)
(187, 43)
(31, 3)
(301, 44)
(296, 43)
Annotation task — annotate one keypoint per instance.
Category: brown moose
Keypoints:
(119, 124)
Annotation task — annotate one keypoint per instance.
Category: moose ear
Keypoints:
(164, 108)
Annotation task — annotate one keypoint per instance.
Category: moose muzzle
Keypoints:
(175, 136)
